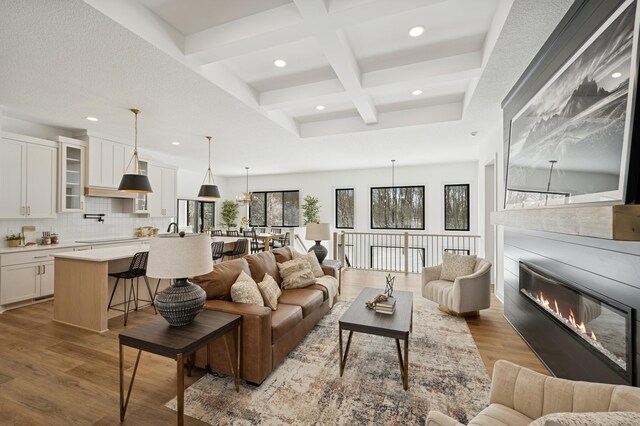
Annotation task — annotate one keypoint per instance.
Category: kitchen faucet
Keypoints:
(174, 225)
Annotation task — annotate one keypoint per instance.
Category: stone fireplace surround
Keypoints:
(602, 267)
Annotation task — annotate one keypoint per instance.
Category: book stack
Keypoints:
(386, 307)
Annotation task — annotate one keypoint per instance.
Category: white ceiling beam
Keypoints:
(339, 54)
(386, 120)
(279, 98)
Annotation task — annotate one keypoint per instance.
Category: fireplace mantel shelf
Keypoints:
(613, 222)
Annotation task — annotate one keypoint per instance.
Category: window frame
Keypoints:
(336, 208)
(444, 207)
(266, 215)
(424, 199)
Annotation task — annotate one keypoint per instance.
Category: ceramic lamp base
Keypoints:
(181, 302)
(320, 251)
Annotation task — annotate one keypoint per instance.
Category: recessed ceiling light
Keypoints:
(91, 118)
(616, 75)
(474, 133)
(175, 143)
(280, 63)
(320, 107)
(416, 31)
(416, 92)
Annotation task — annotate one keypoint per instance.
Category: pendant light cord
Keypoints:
(209, 176)
(134, 157)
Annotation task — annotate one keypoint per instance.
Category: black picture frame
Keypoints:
(466, 211)
(337, 208)
(422, 207)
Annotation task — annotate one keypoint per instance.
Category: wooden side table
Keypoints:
(178, 343)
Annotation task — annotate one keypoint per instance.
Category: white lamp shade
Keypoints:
(318, 232)
(171, 256)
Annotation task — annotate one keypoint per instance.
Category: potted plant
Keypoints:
(13, 240)
(311, 210)
(243, 222)
(229, 214)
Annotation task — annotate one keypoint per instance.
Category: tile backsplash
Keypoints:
(73, 226)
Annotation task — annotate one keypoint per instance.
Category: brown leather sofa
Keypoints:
(267, 336)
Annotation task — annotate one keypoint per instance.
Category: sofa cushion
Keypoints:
(308, 299)
(455, 265)
(296, 273)
(312, 259)
(270, 291)
(217, 283)
(263, 263)
(499, 415)
(282, 254)
(618, 418)
(284, 319)
(440, 291)
(245, 290)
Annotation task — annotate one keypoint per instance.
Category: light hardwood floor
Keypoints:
(58, 375)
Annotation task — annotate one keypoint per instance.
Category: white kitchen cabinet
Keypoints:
(27, 177)
(162, 202)
(19, 282)
(72, 175)
(46, 278)
(107, 161)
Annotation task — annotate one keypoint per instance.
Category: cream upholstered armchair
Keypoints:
(521, 397)
(466, 296)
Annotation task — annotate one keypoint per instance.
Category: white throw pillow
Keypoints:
(270, 291)
(296, 273)
(245, 290)
(455, 265)
(313, 262)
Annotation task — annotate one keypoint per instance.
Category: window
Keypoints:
(456, 207)
(275, 208)
(344, 208)
(199, 215)
(398, 207)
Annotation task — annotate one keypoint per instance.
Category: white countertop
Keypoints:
(104, 254)
(66, 245)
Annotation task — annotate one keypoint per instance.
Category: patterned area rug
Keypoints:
(445, 374)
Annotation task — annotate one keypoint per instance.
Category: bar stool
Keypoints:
(239, 249)
(217, 249)
(137, 269)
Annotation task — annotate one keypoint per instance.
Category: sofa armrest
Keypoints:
(472, 292)
(331, 267)
(436, 418)
(256, 340)
(613, 418)
(429, 274)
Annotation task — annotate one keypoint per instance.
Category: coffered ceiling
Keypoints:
(351, 65)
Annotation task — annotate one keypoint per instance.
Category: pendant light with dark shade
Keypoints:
(209, 189)
(135, 182)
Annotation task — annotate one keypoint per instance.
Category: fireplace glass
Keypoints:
(596, 322)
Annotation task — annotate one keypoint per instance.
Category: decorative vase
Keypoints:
(181, 302)
(320, 251)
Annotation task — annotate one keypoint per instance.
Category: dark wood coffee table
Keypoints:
(178, 343)
(364, 320)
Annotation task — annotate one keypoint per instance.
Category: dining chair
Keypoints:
(217, 233)
(217, 250)
(256, 245)
(233, 234)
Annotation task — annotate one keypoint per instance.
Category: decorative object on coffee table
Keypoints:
(318, 232)
(178, 257)
(388, 288)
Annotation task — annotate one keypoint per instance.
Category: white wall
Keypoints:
(323, 185)
(27, 128)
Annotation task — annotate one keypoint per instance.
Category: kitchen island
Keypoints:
(82, 285)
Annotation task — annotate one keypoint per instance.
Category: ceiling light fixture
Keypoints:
(91, 118)
(135, 182)
(209, 189)
(280, 63)
(616, 75)
(416, 92)
(320, 107)
(416, 31)
(474, 133)
(175, 143)
(245, 198)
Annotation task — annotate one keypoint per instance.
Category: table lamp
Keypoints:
(178, 257)
(318, 232)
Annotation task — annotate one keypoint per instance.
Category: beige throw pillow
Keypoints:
(296, 273)
(245, 290)
(270, 291)
(314, 265)
(454, 266)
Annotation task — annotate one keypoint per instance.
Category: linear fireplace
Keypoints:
(600, 324)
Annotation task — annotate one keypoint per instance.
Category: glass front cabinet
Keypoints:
(72, 155)
(140, 202)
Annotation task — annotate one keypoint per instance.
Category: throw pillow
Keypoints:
(270, 291)
(296, 273)
(620, 418)
(454, 266)
(313, 262)
(245, 290)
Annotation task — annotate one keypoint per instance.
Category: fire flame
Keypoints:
(579, 327)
